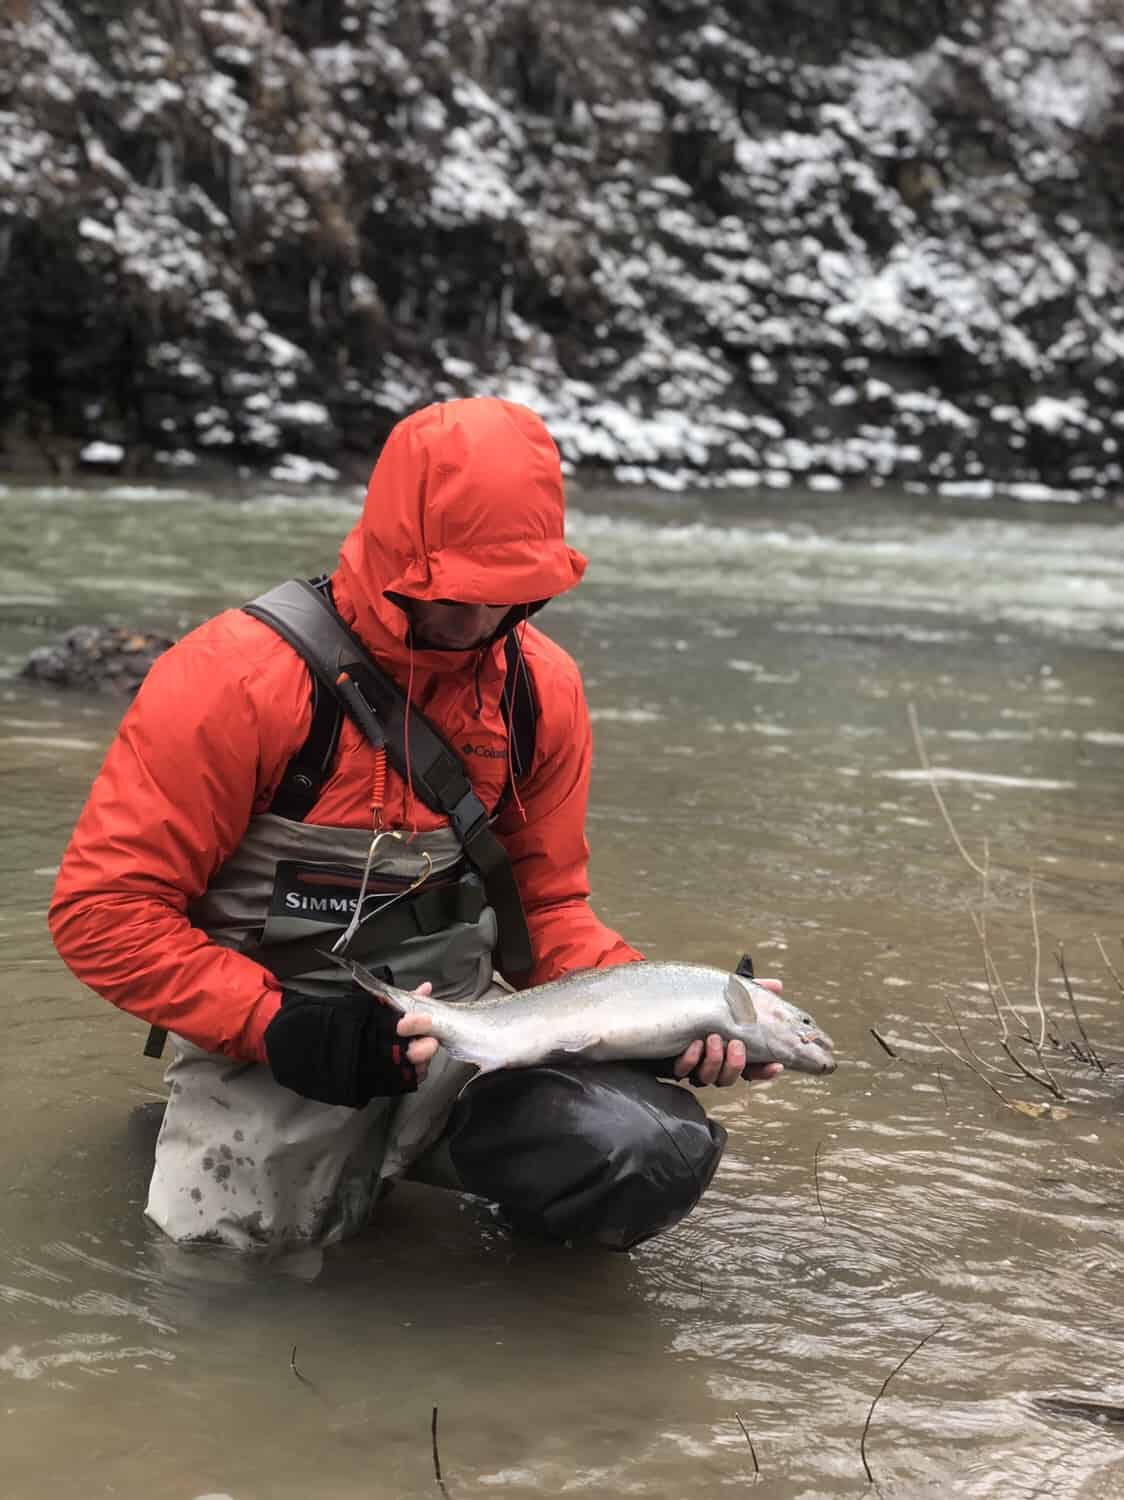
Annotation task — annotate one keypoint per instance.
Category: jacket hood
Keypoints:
(466, 503)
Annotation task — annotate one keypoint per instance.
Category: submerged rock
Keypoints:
(104, 658)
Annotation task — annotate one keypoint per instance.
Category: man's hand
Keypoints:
(416, 1023)
(345, 1048)
(712, 1062)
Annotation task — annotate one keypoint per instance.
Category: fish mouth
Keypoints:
(820, 1050)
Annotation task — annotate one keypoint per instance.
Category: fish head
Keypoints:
(804, 1049)
(808, 1051)
(794, 1037)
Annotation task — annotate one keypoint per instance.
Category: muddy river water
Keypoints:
(749, 663)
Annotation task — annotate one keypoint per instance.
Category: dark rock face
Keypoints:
(97, 657)
(731, 241)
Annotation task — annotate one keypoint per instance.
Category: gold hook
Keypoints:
(422, 878)
(345, 937)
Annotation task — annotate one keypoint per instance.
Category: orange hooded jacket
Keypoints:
(465, 503)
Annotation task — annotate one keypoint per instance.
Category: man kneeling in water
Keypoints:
(392, 762)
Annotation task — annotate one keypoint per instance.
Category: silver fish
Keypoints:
(638, 1010)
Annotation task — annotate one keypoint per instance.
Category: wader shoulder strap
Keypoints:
(340, 663)
(309, 768)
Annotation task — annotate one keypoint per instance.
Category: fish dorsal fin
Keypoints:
(739, 997)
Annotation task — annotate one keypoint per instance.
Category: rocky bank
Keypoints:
(724, 243)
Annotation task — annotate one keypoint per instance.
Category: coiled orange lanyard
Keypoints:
(379, 833)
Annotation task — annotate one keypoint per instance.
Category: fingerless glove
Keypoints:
(339, 1049)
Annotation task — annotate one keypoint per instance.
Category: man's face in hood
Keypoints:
(445, 625)
(464, 514)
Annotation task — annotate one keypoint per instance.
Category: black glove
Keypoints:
(339, 1049)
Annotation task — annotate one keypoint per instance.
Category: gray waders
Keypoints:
(606, 1153)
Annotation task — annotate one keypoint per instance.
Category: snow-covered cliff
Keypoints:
(737, 242)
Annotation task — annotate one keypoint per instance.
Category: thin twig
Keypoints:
(1059, 954)
(924, 759)
(983, 1062)
(884, 1044)
(816, 1178)
(995, 986)
(293, 1366)
(1054, 1035)
(882, 1391)
(1049, 1082)
(437, 1456)
(749, 1440)
(900, 1057)
(991, 974)
(1037, 970)
(981, 925)
(1108, 965)
(940, 1041)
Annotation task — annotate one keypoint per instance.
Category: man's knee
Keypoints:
(605, 1153)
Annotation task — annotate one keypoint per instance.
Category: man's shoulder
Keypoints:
(233, 649)
(545, 656)
(235, 636)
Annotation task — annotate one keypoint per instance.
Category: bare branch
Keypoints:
(749, 1440)
(994, 982)
(1108, 965)
(1059, 954)
(816, 1178)
(899, 1366)
(1037, 970)
(924, 759)
(968, 1047)
(884, 1044)
(1049, 1082)
(436, 1455)
(940, 1041)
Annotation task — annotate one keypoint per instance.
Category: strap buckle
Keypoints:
(469, 816)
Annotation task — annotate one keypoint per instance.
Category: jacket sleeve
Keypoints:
(171, 802)
(544, 834)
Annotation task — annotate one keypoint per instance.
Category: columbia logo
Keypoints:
(486, 751)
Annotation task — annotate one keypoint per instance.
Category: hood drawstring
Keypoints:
(406, 740)
(518, 633)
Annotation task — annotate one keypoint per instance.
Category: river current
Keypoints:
(750, 661)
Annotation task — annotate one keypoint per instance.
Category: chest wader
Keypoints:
(605, 1153)
(240, 1160)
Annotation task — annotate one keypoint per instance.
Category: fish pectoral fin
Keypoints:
(571, 1046)
(584, 1043)
(740, 1001)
